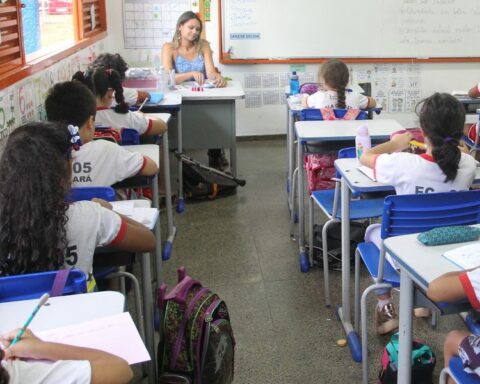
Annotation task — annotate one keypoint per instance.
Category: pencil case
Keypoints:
(449, 235)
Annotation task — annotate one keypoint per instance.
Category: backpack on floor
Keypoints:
(334, 242)
(423, 362)
(201, 182)
(196, 337)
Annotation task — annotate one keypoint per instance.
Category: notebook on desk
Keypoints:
(367, 172)
(144, 215)
(466, 256)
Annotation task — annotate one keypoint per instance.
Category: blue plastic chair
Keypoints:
(34, 285)
(328, 201)
(306, 115)
(456, 372)
(402, 215)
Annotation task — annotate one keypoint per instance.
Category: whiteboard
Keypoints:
(283, 29)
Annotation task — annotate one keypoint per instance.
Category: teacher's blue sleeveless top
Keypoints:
(183, 65)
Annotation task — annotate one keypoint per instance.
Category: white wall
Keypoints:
(270, 119)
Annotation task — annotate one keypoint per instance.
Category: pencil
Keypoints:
(42, 301)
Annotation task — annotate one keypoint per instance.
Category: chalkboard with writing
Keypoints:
(309, 29)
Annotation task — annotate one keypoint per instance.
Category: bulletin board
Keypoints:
(269, 31)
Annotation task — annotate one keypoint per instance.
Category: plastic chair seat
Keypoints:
(456, 369)
(370, 255)
(359, 209)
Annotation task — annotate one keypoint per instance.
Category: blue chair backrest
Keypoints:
(88, 193)
(34, 285)
(406, 214)
(315, 114)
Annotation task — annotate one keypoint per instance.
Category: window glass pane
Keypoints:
(47, 26)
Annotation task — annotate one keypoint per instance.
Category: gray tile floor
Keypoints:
(240, 247)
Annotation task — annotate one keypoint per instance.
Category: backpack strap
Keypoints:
(59, 283)
(351, 114)
(424, 353)
(328, 114)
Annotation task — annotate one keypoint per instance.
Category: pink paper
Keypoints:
(115, 334)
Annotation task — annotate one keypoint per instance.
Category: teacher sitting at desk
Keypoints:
(191, 57)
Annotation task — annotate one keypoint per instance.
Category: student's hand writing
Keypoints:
(103, 203)
(29, 346)
(402, 141)
(198, 77)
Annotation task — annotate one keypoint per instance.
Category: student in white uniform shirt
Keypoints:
(106, 84)
(335, 76)
(40, 230)
(97, 162)
(132, 96)
(443, 168)
(34, 361)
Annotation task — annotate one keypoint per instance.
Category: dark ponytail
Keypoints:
(336, 76)
(99, 80)
(442, 118)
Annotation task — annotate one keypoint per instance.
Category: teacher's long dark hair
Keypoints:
(34, 179)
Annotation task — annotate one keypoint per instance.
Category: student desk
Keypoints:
(415, 261)
(61, 311)
(172, 103)
(354, 180)
(335, 130)
(468, 103)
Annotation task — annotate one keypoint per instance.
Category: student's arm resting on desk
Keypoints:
(447, 288)
(474, 92)
(398, 143)
(106, 368)
(149, 167)
(158, 127)
(135, 238)
(212, 73)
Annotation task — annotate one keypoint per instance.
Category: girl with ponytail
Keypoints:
(106, 84)
(334, 75)
(443, 168)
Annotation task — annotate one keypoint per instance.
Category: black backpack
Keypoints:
(334, 242)
(201, 182)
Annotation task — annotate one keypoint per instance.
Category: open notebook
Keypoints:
(466, 256)
(116, 334)
(137, 210)
(367, 172)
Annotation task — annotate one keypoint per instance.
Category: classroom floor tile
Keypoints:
(240, 247)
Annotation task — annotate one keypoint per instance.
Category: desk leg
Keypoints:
(181, 201)
(304, 261)
(344, 312)
(405, 329)
(167, 249)
(158, 235)
(148, 313)
(233, 145)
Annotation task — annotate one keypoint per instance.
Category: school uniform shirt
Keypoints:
(411, 174)
(130, 95)
(329, 99)
(43, 372)
(103, 163)
(134, 120)
(89, 226)
(471, 284)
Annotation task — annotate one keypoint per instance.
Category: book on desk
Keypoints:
(138, 210)
(367, 172)
(466, 256)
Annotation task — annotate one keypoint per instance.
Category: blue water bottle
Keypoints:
(294, 84)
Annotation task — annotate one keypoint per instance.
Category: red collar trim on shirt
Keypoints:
(102, 108)
(427, 157)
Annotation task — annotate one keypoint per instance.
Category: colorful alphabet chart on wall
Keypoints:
(150, 23)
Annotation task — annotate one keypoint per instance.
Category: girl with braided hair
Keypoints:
(334, 74)
(106, 84)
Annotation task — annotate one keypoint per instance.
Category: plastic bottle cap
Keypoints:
(362, 130)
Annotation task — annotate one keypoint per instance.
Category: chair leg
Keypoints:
(293, 212)
(434, 318)
(310, 229)
(326, 272)
(444, 376)
(356, 310)
(363, 313)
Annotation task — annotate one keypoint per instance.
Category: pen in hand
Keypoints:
(143, 103)
(42, 301)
